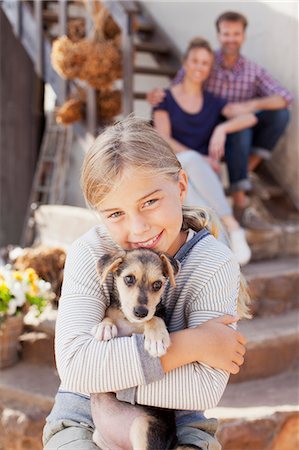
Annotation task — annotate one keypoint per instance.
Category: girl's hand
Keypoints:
(217, 143)
(219, 345)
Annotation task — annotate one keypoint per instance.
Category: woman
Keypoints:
(191, 120)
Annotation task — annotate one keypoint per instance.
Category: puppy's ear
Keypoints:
(170, 266)
(109, 262)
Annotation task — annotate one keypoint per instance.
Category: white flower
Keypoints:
(12, 307)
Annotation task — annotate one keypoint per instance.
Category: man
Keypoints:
(250, 88)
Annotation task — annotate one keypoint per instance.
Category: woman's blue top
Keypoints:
(193, 130)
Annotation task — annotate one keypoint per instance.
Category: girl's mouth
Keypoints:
(150, 243)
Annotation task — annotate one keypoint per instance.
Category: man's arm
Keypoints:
(271, 102)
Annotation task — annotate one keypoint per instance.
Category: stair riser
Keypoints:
(268, 358)
(39, 351)
(276, 432)
(274, 295)
(275, 244)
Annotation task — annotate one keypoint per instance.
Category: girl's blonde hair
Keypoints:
(134, 142)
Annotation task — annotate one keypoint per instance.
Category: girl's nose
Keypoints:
(138, 225)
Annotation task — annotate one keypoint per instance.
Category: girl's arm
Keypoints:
(85, 364)
(218, 138)
(197, 386)
(224, 347)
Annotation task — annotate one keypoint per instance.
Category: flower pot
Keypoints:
(10, 331)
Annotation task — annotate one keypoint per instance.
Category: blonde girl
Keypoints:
(132, 178)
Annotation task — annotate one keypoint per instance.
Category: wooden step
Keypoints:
(144, 26)
(140, 95)
(26, 398)
(161, 70)
(260, 414)
(151, 47)
(281, 241)
(274, 285)
(272, 346)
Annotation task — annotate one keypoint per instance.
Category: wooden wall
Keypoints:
(21, 122)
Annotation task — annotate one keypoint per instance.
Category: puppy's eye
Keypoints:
(157, 285)
(130, 280)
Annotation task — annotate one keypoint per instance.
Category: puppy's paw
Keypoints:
(104, 331)
(156, 341)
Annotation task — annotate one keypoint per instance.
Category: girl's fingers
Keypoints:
(241, 350)
(242, 339)
(234, 368)
(238, 359)
(227, 319)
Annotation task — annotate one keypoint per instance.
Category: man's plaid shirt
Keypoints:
(244, 81)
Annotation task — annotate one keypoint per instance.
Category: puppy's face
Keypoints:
(140, 278)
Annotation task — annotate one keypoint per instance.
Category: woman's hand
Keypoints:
(219, 345)
(217, 143)
(213, 163)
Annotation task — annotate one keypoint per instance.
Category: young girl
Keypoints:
(132, 178)
(191, 120)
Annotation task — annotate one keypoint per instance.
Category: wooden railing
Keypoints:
(28, 28)
(123, 13)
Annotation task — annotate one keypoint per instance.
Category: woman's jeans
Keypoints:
(260, 140)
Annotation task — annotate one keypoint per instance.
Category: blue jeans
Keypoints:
(260, 139)
(70, 427)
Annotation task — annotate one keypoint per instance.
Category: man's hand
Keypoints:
(155, 96)
(217, 143)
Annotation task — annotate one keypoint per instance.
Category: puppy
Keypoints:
(140, 276)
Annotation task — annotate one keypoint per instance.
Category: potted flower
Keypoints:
(19, 291)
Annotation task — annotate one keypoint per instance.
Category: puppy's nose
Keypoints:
(140, 311)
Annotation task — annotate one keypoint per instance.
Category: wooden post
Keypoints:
(128, 72)
(91, 108)
(39, 53)
(63, 31)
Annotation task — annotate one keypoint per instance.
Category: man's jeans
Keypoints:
(260, 140)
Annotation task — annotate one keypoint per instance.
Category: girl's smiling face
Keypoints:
(145, 210)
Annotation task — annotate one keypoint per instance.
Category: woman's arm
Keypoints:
(163, 126)
(218, 138)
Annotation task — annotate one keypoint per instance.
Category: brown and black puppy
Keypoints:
(140, 276)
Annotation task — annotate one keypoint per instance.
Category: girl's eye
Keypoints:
(115, 215)
(130, 280)
(157, 285)
(150, 202)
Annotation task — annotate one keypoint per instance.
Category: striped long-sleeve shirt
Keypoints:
(206, 287)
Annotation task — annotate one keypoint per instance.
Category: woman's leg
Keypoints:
(205, 187)
(205, 190)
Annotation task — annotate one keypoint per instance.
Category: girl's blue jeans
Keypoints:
(70, 427)
(260, 139)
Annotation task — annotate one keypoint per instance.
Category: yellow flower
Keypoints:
(32, 275)
(18, 275)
